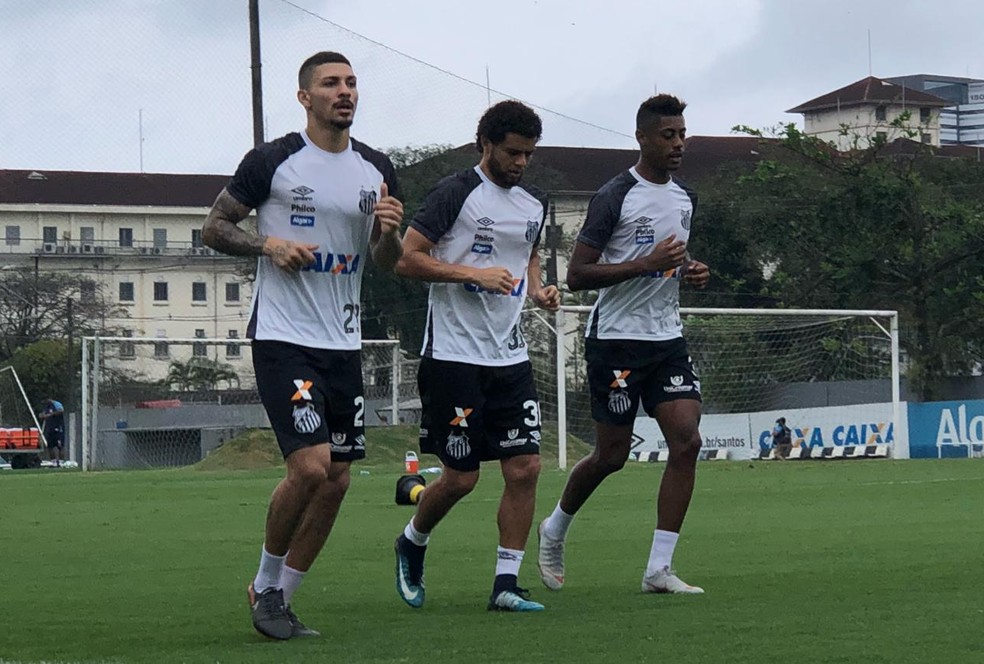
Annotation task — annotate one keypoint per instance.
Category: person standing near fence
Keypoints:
(52, 418)
(475, 239)
(322, 200)
(632, 248)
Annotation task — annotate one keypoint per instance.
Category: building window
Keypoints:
(126, 291)
(13, 236)
(233, 350)
(881, 114)
(87, 291)
(160, 238)
(160, 347)
(49, 234)
(87, 234)
(198, 291)
(232, 292)
(126, 237)
(127, 349)
(160, 291)
(198, 349)
(924, 115)
(196, 238)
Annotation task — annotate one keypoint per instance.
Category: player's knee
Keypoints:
(523, 470)
(686, 448)
(309, 476)
(459, 485)
(610, 463)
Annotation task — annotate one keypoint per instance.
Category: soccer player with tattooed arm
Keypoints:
(323, 200)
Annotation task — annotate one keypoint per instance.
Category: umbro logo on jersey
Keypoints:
(303, 390)
(461, 417)
(484, 221)
(302, 193)
(620, 377)
(642, 220)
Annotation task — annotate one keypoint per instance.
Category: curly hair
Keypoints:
(508, 117)
(654, 108)
(306, 71)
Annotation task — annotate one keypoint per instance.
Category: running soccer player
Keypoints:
(475, 240)
(322, 200)
(632, 248)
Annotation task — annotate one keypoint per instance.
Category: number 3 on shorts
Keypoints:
(534, 408)
(360, 403)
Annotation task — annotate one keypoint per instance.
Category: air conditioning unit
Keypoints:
(72, 249)
(86, 248)
(158, 250)
(205, 251)
(59, 250)
(99, 249)
(48, 247)
(144, 250)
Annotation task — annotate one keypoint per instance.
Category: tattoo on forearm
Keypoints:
(222, 233)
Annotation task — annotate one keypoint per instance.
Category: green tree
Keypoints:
(42, 367)
(883, 226)
(200, 374)
(34, 305)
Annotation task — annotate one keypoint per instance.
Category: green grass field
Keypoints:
(868, 561)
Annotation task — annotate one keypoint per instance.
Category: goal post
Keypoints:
(155, 401)
(834, 375)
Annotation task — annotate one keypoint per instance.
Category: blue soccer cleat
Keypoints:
(516, 599)
(409, 571)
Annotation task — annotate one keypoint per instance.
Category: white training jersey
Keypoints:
(306, 194)
(477, 223)
(626, 218)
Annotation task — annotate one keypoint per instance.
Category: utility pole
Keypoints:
(254, 57)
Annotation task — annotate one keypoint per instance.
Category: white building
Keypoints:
(867, 109)
(137, 237)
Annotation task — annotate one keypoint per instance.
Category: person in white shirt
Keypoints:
(475, 240)
(323, 202)
(632, 248)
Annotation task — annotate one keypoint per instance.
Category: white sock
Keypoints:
(508, 561)
(268, 576)
(415, 536)
(558, 523)
(290, 579)
(661, 555)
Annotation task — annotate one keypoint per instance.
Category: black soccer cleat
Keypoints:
(297, 628)
(270, 617)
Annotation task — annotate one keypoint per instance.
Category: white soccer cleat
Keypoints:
(665, 581)
(550, 559)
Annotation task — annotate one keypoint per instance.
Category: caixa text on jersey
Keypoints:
(334, 263)
(517, 290)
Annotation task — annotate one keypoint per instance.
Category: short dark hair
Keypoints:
(508, 117)
(306, 71)
(654, 108)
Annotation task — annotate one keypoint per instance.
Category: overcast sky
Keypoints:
(77, 74)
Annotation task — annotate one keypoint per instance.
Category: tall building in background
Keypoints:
(962, 120)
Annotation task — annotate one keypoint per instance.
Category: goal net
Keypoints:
(832, 375)
(19, 430)
(153, 402)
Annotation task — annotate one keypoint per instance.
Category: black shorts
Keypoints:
(621, 372)
(312, 396)
(472, 413)
(55, 438)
